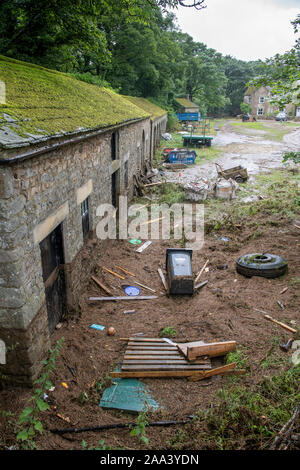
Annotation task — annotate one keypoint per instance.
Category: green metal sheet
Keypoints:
(128, 395)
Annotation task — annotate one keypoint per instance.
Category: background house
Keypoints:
(259, 100)
(65, 148)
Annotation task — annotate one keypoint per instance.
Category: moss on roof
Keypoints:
(153, 109)
(42, 103)
(186, 103)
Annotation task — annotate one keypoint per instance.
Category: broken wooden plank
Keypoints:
(101, 285)
(112, 272)
(210, 373)
(128, 297)
(163, 279)
(198, 348)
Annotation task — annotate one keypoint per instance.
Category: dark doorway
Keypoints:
(53, 275)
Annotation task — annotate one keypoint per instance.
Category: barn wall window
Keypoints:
(85, 217)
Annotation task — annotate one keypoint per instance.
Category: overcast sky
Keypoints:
(244, 29)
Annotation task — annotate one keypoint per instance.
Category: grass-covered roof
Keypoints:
(40, 103)
(154, 110)
(186, 103)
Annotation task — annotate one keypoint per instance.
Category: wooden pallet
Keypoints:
(154, 357)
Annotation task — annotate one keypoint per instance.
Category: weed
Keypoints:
(101, 446)
(168, 331)
(140, 429)
(29, 416)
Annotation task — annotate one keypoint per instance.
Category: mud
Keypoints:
(252, 151)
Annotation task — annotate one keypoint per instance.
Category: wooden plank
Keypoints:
(112, 272)
(142, 339)
(198, 348)
(165, 367)
(168, 360)
(125, 271)
(157, 356)
(156, 344)
(153, 353)
(148, 348)
(158, 374)
(218, 371)
(101, 285)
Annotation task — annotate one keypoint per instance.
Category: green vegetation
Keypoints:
(29, 419)
(150, 108)
(247, 417)
(134, 47)
(168, 331)
(33, 91)
(272, 133)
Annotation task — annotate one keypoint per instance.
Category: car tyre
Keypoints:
(264, 265)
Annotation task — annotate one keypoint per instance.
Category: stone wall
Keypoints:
(36, 195)
(159, 126)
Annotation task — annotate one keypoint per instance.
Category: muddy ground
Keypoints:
(222, 310)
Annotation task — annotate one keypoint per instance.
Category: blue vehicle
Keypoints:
(183, 156)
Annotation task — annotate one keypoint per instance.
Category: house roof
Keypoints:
(186, 103)
(252, 89)
(41, 103)
(153, 109)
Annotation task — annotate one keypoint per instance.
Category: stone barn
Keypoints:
(65, 148)
(159, 119)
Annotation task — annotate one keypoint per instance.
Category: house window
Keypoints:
(85, 217)
(260, 111)
(126, 174)
(261, 99)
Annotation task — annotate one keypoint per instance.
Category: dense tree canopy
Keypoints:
(133, 46)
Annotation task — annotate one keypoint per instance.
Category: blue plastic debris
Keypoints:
(97, 327)
(132, 290)
(128, 395)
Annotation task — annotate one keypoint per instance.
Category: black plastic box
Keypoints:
(179, 270)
